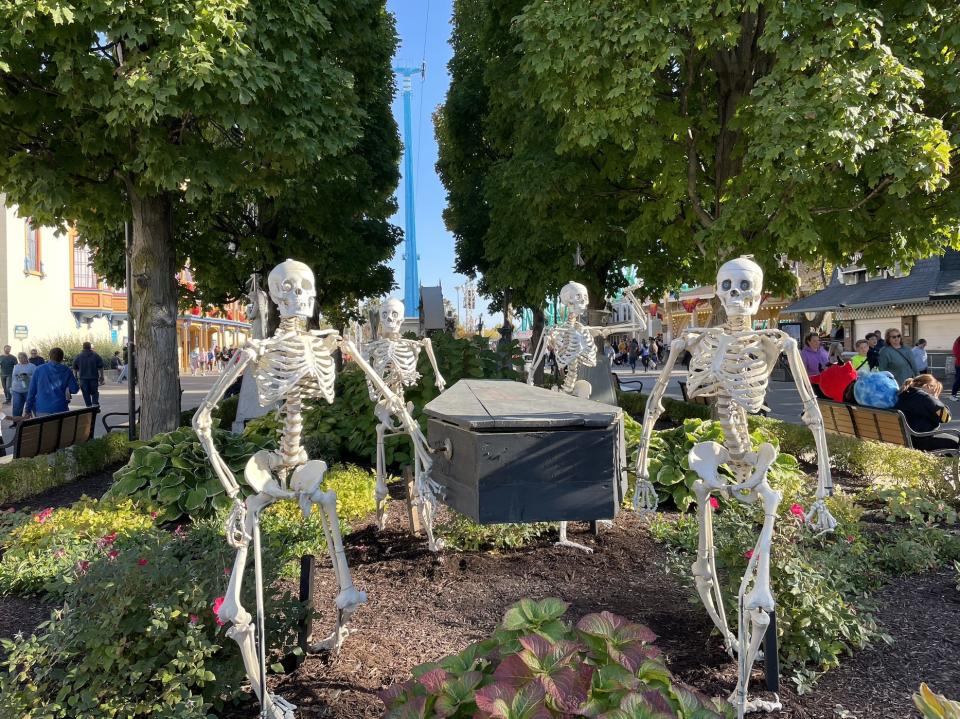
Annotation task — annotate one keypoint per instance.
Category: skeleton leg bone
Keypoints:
(349, 599)
(564, 542)
(380, 492)
(242, 631)
(704, 570)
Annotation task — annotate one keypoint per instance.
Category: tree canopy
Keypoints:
(674, 136)
(220, 128)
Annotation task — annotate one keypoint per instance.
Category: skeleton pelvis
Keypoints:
(259, 470)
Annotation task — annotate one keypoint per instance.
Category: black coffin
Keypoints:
(525, 454)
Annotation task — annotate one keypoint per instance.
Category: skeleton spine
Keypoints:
(733, 420)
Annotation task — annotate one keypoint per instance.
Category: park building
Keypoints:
(50, 294)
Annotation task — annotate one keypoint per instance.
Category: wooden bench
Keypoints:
(47, 434)
(626, 384)
(696, 400)
(879, 425)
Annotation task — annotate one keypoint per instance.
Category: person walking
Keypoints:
(860, 358)
(645, 355)
(920, 358)
(88, 366)
(35, 359)
(815, 357)
(7, 363)
(20, 383)
(210, 361)
(895, 358)
(50, 387)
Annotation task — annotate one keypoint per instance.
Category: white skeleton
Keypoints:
(574, 345)
(732, 364)
(394, 359)
(293, 365)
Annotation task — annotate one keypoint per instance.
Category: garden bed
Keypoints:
(422, 607)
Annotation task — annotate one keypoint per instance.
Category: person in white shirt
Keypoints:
(920, 356)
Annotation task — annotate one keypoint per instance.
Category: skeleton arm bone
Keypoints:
(428, 346)
(393, 401)
(203, 425)
(538, 356)
(819, 515)
(650, 415)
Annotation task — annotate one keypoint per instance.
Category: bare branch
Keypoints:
(881, 186)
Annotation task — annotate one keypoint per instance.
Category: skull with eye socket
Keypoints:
(292, 289)
(574, 297)
(391, 316)
(739, 287)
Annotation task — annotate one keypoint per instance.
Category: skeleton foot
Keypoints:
(755, 705)
(347, 602)
(564, 542)
(380, 497)
(276, 707)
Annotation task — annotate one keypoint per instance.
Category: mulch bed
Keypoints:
(422, 607)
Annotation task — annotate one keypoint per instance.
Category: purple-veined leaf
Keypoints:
(528, 703)
(434, 680)
(495, 700)
(415, 708)
(567, 687)
(394, 691)
(536, 645)
(513, 670)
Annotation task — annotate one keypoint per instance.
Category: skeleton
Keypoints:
(289, 367)
(732, 364)
(394, 359)
(575, 347)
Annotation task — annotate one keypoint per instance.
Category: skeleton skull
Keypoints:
(391, 315)
(739, 286)
(292, 289)
(574, 297)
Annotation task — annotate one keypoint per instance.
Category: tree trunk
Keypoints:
(153, 263)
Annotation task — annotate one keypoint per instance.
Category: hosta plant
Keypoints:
(173, 473)
(539, 666)
(935, 706)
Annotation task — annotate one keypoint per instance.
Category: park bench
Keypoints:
(113, 421)
(627, 384)
(47, 434)
(696, 400)
(879, 425)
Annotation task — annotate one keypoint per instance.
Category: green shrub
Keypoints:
(537, 665)
(173, 472)
(914, 505)
(138, 637)
(463, 534)
(226, 412)
(676, 410)
(44, 552)
(72, 345)
(23, 478)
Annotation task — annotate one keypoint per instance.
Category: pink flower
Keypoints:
(217, 603)
(748, 554)
(142, 562)
(194, 619)
(114, 554)
(153, 515)
(83, 566)
(59, 553)
(851, 539)
(106, 540)
(44, 515)
(714, 502)
(797, 510)
(178, 532)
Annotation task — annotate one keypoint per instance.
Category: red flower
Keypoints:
(226, 571)
(153, 515)
(797, 509)
(748, 554)
(83, 566)
(114, 554)
(714, 502)
(178, 532)
(217, 603)
(194, 619)
(142, 562)
(44, 515)
(851, 539)
(106, 540)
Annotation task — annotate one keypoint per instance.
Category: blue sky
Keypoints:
(424, 30)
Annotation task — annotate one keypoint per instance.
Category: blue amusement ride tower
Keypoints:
(411, 276)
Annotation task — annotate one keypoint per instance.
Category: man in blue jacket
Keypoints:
(50, 386)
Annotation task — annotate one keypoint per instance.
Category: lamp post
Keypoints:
(131, 351)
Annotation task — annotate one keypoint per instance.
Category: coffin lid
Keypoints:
(489, 404)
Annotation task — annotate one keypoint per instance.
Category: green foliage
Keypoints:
(139, 637)
(935, 706)
(173, 472)
(346, 430)
(24, 478)
(43, 552)
(913, 505)
(225, 412)
(463, 534)
(635, 404)
(72, 345)
(537, 666)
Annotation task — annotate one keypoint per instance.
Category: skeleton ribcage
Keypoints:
(396, 362)
(301, 362)
(731, 365)
(574, 345)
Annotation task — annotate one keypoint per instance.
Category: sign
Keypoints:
(20, 332)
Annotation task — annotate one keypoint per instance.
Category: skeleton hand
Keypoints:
(233, 528)
(441, 384)
(819, 518)
(645, 497)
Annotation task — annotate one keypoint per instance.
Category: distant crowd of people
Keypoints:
(646, 352)
(211, 360)
(886, 375)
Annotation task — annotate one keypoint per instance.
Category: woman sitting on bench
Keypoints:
(919, 400)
